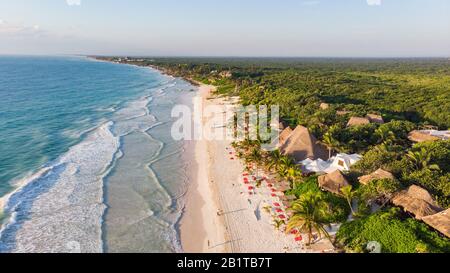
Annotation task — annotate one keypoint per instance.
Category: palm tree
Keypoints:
(284, 165)
(349, 194)
(331, 143)
(274, 159)
(293, 174)
(307, 216)
(421, 159)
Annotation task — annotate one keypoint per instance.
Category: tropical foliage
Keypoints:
(396, 235)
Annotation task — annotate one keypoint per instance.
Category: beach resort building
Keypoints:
(324, 106)
(341, 162)
(375, 118)
(440, 222)
(284, 135)
(377, 175)
(333, 182)
(417, 201)
(428, 135)
(301, 144)
(357, 121)
(370, 118)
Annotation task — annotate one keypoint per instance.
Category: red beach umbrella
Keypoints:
(251, 188)
(294, 231)
(279, 210)
(282, 217)
(274, 195)
(276, 204)
(299, 239)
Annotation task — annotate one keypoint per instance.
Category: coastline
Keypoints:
(201, 231)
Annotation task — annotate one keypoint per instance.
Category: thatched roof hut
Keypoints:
(357, 121)
(333, 182)
(285, 135)
(428, 135)
(421, 136)
(440, 222)
(324, 106)
(301, 144)
(378, 174)
(375, 118)
(417, 201)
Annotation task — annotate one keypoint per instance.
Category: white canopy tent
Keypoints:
(341, 162)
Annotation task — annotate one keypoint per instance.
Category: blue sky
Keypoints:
(333, 28)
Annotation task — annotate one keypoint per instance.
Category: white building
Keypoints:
(341, 162)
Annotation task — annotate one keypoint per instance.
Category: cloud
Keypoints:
(374, 2)
(73, 2)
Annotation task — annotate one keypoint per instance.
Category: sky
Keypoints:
(285, 28)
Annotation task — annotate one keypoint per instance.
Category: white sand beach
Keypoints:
(221, 216)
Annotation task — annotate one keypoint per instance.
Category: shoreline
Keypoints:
(201, 231)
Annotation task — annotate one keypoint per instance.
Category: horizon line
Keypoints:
(225, 56)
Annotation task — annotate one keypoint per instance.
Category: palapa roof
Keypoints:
(285, 135)
(417, 201)
(378, 174)
(440, 222)
(333, 182)
(375, 118)
(324, 106)
(421, 136)
(301, 144)
(357, 121)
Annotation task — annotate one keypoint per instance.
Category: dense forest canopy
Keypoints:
(417, 90)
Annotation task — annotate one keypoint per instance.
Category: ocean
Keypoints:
(87, 162)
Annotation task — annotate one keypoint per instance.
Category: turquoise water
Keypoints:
(87, 163)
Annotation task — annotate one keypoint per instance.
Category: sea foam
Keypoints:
(60, 208)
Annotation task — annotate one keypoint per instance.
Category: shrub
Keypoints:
(394, 234)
